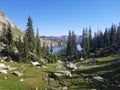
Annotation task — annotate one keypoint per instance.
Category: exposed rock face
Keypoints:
(4, 19)
(4, 23)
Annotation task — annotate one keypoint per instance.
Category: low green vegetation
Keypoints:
(35, 77)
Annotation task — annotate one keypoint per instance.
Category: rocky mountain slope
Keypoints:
(5, 21)
(62, 38)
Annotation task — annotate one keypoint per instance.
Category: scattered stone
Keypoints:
(93, 61)
(117, 61)
(21, 80)
(63, 73)
(5, 78)
(71, 66)
(117, 82)
(17, 73)
(118, 86)
(65, 88)
(3, 71)
(38, 67)
(35, 63)
(60, 61)
(81, 59)
(51, 79)
(2, 60)
(44, 66)
(11, 68)
(104, 86)
(2, 65)
(58, 66)
(98, 79)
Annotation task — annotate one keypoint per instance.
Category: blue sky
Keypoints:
(57, 17)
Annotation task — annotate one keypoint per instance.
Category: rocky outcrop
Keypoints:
(5, 22)
(63, 73)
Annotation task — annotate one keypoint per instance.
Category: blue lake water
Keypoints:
(58, 48)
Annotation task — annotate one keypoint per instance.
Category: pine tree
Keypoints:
(113, 35)
(118, 34)
(9, 36)
(69, 44)
(51, 48)
(38, 45)
(85, 41)
(107, 37)
(19, 47)
(71, 48)
(26, 51)
(29, 35)
(90, 37)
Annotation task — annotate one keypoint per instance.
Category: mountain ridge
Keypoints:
(62, 38)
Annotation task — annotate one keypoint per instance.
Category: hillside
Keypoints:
(37, 77)
(5, 21)
(62, 38)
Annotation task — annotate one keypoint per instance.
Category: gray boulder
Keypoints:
(71, 66)
(98, 79)
(17, 73)
(63, 73)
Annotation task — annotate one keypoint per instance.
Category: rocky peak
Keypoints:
(4, 19)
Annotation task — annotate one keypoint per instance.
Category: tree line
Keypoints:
(101, 43)
(27, 48)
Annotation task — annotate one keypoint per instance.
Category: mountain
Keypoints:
(62, 38)
(4, 23)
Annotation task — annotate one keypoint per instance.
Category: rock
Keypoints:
(17, 73)
(5, 78)
(117, 61)
(60, 61)
(3, 71)
(118, 86)
(71, 66)
(11, 68)
(51, 79)
(35, 63)
(2, 65)
(93, 61)
(63, 73)
(98, 79)
(65, 88)
(2, 60)
(58, 66)
(81, 59)
(44, 66)
(21, 80)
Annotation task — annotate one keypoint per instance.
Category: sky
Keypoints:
(57, 17)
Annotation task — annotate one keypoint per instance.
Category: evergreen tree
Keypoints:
(118, 34)
(26, 51)
(90, 37)
(9, 36)
(20, 49)
(113, 35)
(29, 35)
(85, 41)
(71, 48)
(38, 45)
(51, 48)
(107, 37)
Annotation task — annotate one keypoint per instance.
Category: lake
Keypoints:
(58, 48)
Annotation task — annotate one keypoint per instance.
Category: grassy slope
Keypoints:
(33, 77)
(37, 77)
